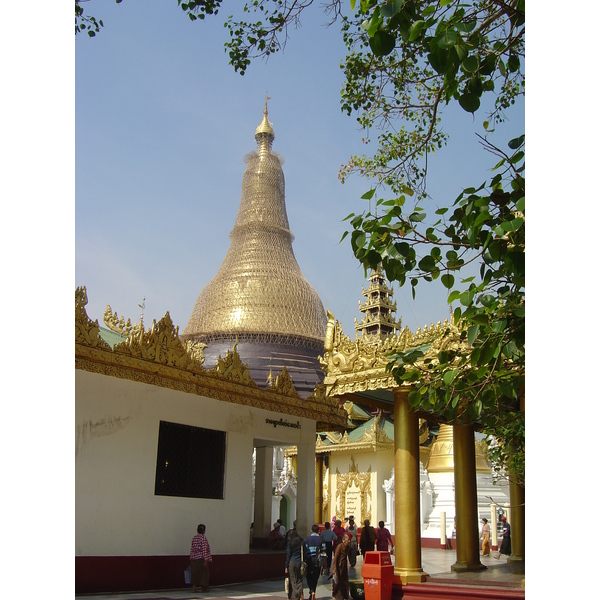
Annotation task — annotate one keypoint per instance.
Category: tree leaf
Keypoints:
(389, 9)
(447, 280)
(470, 64)
(415, 30)
(469, 102)
(472, 334)
(449, 376)
(516, 142)
(382, 43)
(511, 226)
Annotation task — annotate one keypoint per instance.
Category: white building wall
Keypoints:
(116, 427)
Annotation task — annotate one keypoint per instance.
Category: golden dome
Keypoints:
(259, 289)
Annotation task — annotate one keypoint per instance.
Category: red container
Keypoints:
(378, 575)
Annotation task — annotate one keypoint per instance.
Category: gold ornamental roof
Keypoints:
(259, 289)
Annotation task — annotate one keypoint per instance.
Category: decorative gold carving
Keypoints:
(232, 368)
(112, 321)
(362, 481)
(158, 357)
(284, 384)
(353, 415)
(160, 344)
(86, 331)
(196, 350)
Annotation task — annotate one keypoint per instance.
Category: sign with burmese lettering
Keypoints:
(353, 502)
(283, 423)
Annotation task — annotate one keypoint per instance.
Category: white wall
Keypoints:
(116, 434)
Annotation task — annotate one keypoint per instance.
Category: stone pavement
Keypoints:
(436, 563)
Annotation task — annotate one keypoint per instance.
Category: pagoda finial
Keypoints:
(265, 128)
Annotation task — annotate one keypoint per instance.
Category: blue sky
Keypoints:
(162, 126)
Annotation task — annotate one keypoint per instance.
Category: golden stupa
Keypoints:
(259, 295)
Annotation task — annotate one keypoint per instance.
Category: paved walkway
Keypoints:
(436, 563)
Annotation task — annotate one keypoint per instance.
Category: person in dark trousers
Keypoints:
(327, 539)
(313, 541)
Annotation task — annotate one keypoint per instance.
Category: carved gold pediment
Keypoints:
(284, 384)
(232, 368)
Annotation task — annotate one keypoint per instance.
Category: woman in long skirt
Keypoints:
(485, 538)
(340, 589)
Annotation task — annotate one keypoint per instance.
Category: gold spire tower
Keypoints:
(259, 293)
(378, 309)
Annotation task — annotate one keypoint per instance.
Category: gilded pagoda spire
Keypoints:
(264, 134)
(259, 291)
(378, 309)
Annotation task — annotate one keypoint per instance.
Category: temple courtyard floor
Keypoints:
(501, 579)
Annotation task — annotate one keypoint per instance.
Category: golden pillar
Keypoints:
(319, 489)
(517, 523)
(407, 491)
(465, 501)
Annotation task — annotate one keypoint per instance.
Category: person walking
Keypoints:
(352, 529)
(339, 532)
(296, 551)
(199, 558)
(327, 539)
(485, 538)
(313, 542)
(368, 536)
(384, 538)
(340, 588)
(505, 546)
